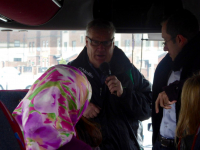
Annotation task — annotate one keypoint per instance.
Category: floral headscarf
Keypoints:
(49, 112)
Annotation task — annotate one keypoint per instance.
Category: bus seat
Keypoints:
(9, 129)
(11, 98)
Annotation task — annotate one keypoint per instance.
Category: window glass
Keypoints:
(44, 45)
(73, 45)
(127, 45)
(65, 46)
(16, 43)
(117, 43)
(82, 38)
(48, 48)
(17, 59)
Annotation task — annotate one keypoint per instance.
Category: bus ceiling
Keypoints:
(129, 16)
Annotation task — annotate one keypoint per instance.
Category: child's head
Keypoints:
(189, 117)
(190, 97)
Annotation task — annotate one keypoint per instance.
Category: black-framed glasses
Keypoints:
(165, 43)
(97, 43)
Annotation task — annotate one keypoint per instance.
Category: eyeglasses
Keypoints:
(165, 43)
(97, 43)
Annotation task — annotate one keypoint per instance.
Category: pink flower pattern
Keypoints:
(49, 112)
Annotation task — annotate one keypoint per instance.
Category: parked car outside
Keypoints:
(11, 79)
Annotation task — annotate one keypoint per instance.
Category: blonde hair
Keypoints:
(189, 117)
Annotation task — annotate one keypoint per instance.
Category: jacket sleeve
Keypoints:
(136, 101)
(174, 89)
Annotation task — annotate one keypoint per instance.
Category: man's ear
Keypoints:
(113, 42)
(181, 40)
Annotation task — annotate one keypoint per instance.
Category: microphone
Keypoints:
(105, 68)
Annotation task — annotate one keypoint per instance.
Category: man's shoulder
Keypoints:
(81, 58)
(166, 60)
(83, 66)
(166, 63)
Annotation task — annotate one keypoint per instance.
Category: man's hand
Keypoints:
(163, 101)
(91, 111)
(114, 85)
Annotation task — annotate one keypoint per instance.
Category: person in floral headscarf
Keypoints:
(49, 112)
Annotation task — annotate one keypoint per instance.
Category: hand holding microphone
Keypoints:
(112, 82)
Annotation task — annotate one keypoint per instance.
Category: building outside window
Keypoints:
(43, 62)
(82, 37)
(29, 46)
(65, 46)
(17, 43)
(137, 39)
(117, 43)
(147, 43)
(18, 59)
(47, 62)
(43, 44)
(73, 45)
(127, 45)
(160, 44)
(58, 44)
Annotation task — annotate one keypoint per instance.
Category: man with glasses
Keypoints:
(181, 35)
(119, 101)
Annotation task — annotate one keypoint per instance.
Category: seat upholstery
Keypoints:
(11, 99)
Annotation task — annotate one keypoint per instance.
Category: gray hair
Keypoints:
(100, 24)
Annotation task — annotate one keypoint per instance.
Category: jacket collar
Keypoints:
(119, 61)
(187, 53)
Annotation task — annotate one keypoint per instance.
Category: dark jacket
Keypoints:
(118, 116)
(189, 60)
(75, 144)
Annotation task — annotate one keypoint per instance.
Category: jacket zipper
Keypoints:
(100, 91)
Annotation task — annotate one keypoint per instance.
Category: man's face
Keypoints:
(172, 48)
(102, 52)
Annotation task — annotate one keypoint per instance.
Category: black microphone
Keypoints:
(105, 68)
